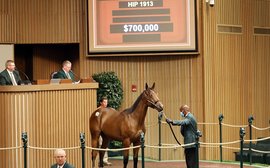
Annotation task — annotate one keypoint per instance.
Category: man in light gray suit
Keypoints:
(60, 158)
(189, 132)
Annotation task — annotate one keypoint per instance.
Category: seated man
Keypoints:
(65, 72)
(60, 158)
(10, 76)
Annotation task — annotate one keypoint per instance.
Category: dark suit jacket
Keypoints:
(6, 80)
(188, 129)
(62, 75)
(67, 165)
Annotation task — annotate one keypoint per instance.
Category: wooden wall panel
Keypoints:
(39, 21)
(261, 13)
(235, 70)
(6, 20)
(261, 83)
(234, 16)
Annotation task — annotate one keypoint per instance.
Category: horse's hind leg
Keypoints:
(94, 155)
(105, 143)
(94, 152)
(101, 155)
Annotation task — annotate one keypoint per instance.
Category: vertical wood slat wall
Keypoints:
(236, 69)
(52, 119)
(40, 21)
(229, 76)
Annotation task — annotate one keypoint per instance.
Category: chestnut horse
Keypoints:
(125, 126)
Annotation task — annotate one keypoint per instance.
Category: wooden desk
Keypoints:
(52, 115)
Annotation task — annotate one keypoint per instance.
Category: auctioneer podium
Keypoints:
(53, 117)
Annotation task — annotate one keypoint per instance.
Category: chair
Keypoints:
(53, 74)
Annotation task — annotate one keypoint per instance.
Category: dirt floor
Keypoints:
(118, 163)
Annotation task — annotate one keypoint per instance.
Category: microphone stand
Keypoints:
(27, 81)
(76, 77)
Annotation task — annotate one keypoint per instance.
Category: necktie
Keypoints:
(68, 75)
(13, 79)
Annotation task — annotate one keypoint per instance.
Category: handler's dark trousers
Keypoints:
(190, 157)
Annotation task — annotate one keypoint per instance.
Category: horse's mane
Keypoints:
(135, 104)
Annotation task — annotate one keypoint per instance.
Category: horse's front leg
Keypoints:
(126, 144)
(135, 154)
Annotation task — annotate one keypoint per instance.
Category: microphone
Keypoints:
(76, 76)
(88, 80)
(27, 81)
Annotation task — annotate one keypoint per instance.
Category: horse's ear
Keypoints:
(153, 86)
(146, 86)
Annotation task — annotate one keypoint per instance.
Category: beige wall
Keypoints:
(7, 53)
(230, 75)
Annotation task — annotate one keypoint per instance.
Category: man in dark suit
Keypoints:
(60, 158)
(65, 72)
(189, 132)
(10, 76)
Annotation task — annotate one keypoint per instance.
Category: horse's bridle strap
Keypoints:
(174, 134)
(151, 102)
(172, 130)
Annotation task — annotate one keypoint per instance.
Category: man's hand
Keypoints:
(169, 120)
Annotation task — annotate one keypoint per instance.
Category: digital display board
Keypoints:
(141, 25)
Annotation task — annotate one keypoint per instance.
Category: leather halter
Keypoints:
(149, 101)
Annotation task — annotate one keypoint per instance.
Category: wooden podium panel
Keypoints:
(42, 81)
(47, 81)
(53, 117)
(65, 81)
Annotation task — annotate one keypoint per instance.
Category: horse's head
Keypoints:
(152, 99)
